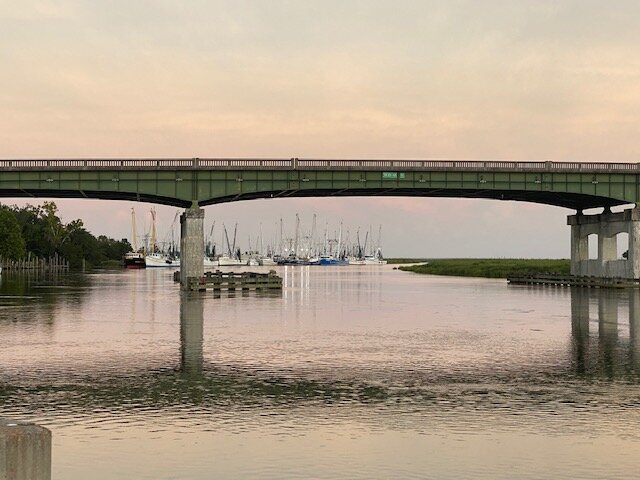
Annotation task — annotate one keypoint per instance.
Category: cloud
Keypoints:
(461, 79)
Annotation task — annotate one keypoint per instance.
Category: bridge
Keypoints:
(206, 181)
(196, 182)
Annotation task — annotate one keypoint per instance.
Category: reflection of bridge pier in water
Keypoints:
(606, 352)
(191, 333)
(634, 328)
(608, 329)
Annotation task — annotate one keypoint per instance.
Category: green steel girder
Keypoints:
(576, 190)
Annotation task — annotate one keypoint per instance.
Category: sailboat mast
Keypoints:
(295, 244)
(326, 239)
(281, 244)
(235, 233)
(261, 241)
(210, 240)
(134, 233)
(227, 237)
(153, 230)
(312, 242)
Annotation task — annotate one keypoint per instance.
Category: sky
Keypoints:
(454, 79)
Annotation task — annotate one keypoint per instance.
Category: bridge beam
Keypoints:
(191, 244)
(606, 226)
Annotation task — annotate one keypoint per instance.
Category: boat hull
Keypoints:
(158, 261)
(134, 261)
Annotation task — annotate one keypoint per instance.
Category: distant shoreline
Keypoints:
(402, 261)
(487, 267)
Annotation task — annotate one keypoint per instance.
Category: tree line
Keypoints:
(37, 230)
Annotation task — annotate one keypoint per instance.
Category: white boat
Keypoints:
(226, 261)
(373, 260)
(267, 261)
(155, 260)
(210, 262)
(253, 262)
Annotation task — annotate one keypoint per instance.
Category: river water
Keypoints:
(352, 372)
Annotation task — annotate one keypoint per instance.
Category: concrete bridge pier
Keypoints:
(191, 244)
(606, 226)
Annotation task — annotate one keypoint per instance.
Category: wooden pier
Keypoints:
(573, 281)
(55, 263)
(231, 281)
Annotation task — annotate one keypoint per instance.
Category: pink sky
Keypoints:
(540, 80)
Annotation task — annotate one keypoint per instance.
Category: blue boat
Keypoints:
(331, 260)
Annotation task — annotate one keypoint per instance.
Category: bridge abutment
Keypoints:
(607, 226)
(191, 244)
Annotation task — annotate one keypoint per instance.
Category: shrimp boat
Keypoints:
(134, 259)
(330, 258)
(373, 258)
(233, 257)
(157, 259)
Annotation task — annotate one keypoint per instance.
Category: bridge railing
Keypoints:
(309, 164)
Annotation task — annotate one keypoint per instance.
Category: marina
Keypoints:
(303, 247)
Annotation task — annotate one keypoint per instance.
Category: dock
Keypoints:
(230, 281)
(552, 280)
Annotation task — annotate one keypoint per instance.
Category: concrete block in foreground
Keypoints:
(25, 451)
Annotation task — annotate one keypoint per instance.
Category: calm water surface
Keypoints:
(354, 372)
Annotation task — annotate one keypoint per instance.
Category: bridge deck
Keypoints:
(182, 182)
(312, 164)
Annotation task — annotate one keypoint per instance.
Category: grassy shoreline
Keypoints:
(398, 261)
(488, 267)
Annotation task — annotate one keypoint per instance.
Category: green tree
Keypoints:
(12, 245)
(44, 235)
(78, 245)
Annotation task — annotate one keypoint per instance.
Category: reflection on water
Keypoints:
(351, 372)
(614, 353)
(191, 333)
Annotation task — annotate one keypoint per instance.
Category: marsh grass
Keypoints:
(489, 267)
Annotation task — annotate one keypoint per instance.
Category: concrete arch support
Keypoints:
(607, 226)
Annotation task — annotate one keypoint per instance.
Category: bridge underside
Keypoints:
(99, 195)
(185, 183)
(576, 201)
